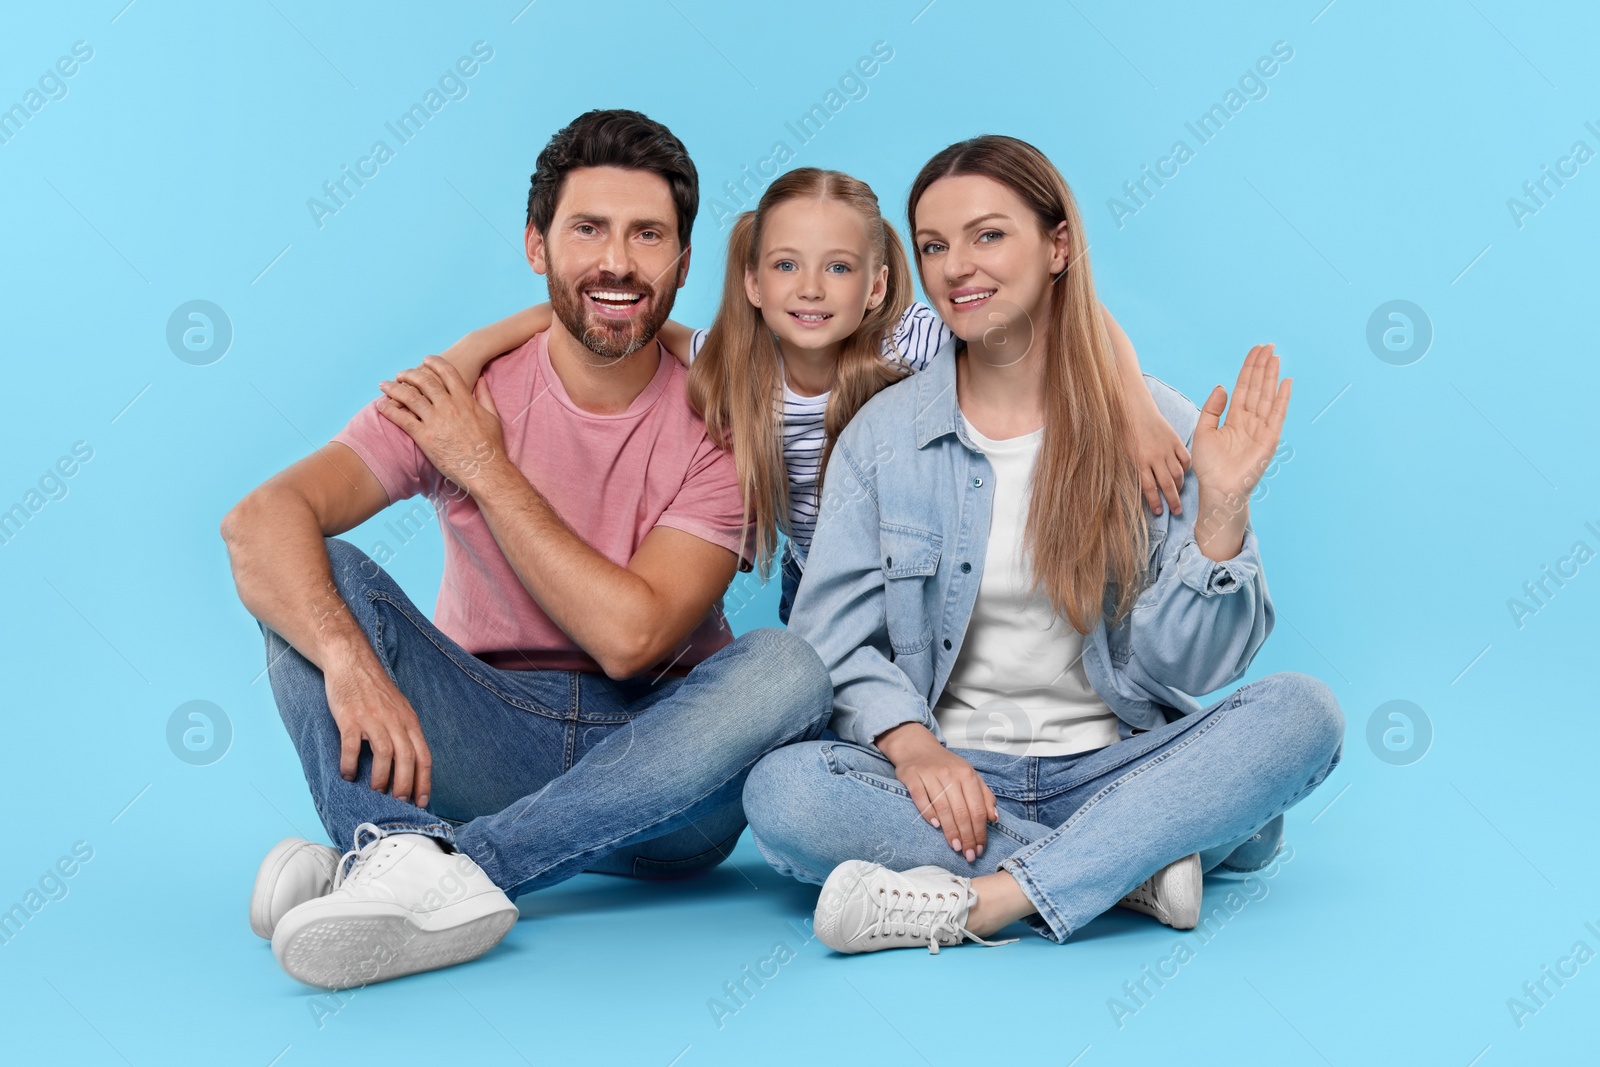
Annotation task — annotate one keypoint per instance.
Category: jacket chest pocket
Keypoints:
(910, 560)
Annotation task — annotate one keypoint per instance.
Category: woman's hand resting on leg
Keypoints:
(946, 789)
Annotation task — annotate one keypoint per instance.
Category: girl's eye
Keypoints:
(784, 265)
(839, 268)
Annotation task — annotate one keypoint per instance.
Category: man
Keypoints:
(580, 704)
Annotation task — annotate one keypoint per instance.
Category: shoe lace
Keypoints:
(362, 852)
(926, 916)
(1144, 893)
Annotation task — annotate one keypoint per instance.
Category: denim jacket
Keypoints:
(898, 553)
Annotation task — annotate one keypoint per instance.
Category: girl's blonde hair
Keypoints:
(1086, 528)
(736, 383)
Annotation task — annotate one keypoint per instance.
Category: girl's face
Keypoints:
(814, 280)
(986, 263)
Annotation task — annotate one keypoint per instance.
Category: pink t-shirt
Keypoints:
(612, 478)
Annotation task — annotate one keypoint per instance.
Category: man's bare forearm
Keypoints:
(281, 570)
(567, 577)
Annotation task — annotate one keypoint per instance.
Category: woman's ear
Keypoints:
(880, 288)
(752, 291)
(1061, 247)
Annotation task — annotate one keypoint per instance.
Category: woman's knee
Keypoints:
(783, 787)
(1306, 710)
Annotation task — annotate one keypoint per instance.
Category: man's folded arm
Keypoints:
(280, 563)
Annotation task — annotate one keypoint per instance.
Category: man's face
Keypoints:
(612, 258)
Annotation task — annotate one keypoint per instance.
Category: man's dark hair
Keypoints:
(615, 138)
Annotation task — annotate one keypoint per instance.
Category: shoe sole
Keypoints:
(267, 876)
(347, 951)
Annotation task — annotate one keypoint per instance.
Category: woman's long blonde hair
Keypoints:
(736, 383)
(1086, 528)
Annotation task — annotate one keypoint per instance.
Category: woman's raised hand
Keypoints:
(1229, 460)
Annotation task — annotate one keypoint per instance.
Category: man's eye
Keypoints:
(586, 229)
(650, 235)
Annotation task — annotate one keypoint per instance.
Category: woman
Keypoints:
(1013, 646)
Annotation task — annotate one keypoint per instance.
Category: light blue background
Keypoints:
(1419, 499)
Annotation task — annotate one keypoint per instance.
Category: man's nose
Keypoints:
(616, 257)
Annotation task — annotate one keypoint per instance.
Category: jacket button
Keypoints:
(977, 483)
(947, 644)
(966, 568)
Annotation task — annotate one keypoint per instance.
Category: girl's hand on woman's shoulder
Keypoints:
(947, 790)
(1159, 454)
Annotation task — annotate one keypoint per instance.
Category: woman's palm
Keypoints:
(1231, 457)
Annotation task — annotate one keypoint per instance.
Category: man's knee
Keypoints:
(353, 570)
(787, 665)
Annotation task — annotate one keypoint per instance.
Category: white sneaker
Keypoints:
(295, 871)
(1172, 894)
(865, 907)
(404, 905)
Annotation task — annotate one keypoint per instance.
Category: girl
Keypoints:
(817, 317)
(1013, 646)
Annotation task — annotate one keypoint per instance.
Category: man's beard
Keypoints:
(608, 338)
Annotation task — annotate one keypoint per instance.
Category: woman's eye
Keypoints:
(932, 248)
(987, 234)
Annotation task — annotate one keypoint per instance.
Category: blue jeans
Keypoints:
(791, 585)
(539, 775)
(1077, 832)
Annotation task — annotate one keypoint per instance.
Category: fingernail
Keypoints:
(935, 823)
(970, 856)
(422, 802)
(404, 798)
(955, 843)
(980, 850)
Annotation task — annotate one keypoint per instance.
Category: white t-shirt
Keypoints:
(918, 335)
(1018, 685)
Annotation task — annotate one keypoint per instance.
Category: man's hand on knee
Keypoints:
(368, 707)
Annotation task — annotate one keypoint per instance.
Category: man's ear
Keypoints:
(533, 244)
(683, 266)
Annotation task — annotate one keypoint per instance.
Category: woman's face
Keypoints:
(814, 280)
(986, 263)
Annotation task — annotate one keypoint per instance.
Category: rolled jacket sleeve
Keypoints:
(840, 610)
(1201, 621)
